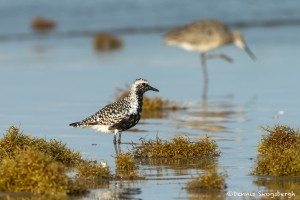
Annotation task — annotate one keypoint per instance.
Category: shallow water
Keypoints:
(48, 82)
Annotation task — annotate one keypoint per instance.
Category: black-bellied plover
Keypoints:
(203, 36)
(120, 115)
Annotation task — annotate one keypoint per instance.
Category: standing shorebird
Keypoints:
(203, 36)
(120, 115)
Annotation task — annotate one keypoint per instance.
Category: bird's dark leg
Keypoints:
(119, 148)
(115, 143)
(205, 74)
(115, 138)
(119, 139)
(119, 142)
(116, 149)
(223, 56)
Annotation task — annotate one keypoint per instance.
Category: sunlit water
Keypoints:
(48, 83)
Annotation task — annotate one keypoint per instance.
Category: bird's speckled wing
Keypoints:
(109, 115)
(127, 122)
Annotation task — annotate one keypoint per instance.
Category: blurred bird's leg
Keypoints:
(223, 56)
(205, 75)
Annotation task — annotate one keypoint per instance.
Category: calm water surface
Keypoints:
(48, 82)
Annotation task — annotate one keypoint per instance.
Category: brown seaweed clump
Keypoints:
(42, 24)
(178, 148)
(33, 171)
(279, 139)
(14, 139)
(31, 164)
(106, 42)
(212, 180)
(159, 104)
(278, 152)
(126, 167)
(210, 185)
(93, 170)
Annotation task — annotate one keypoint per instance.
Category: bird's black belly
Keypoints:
(126, 123)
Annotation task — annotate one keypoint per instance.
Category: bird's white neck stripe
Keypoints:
(134, 104)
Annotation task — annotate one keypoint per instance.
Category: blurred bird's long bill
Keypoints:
(249, 52)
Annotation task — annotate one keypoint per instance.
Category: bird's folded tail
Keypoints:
(75, 124)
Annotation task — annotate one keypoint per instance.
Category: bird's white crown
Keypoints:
(138, 82)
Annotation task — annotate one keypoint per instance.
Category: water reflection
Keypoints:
(118, 192)
(95, 183)
(20, 195)
(209, 195)
(178, 167)
(279, 184)
(210, 116)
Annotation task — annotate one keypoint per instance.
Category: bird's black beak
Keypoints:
(249, 52)
(152, 88)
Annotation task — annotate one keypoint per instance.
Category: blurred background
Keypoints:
(53, 73)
